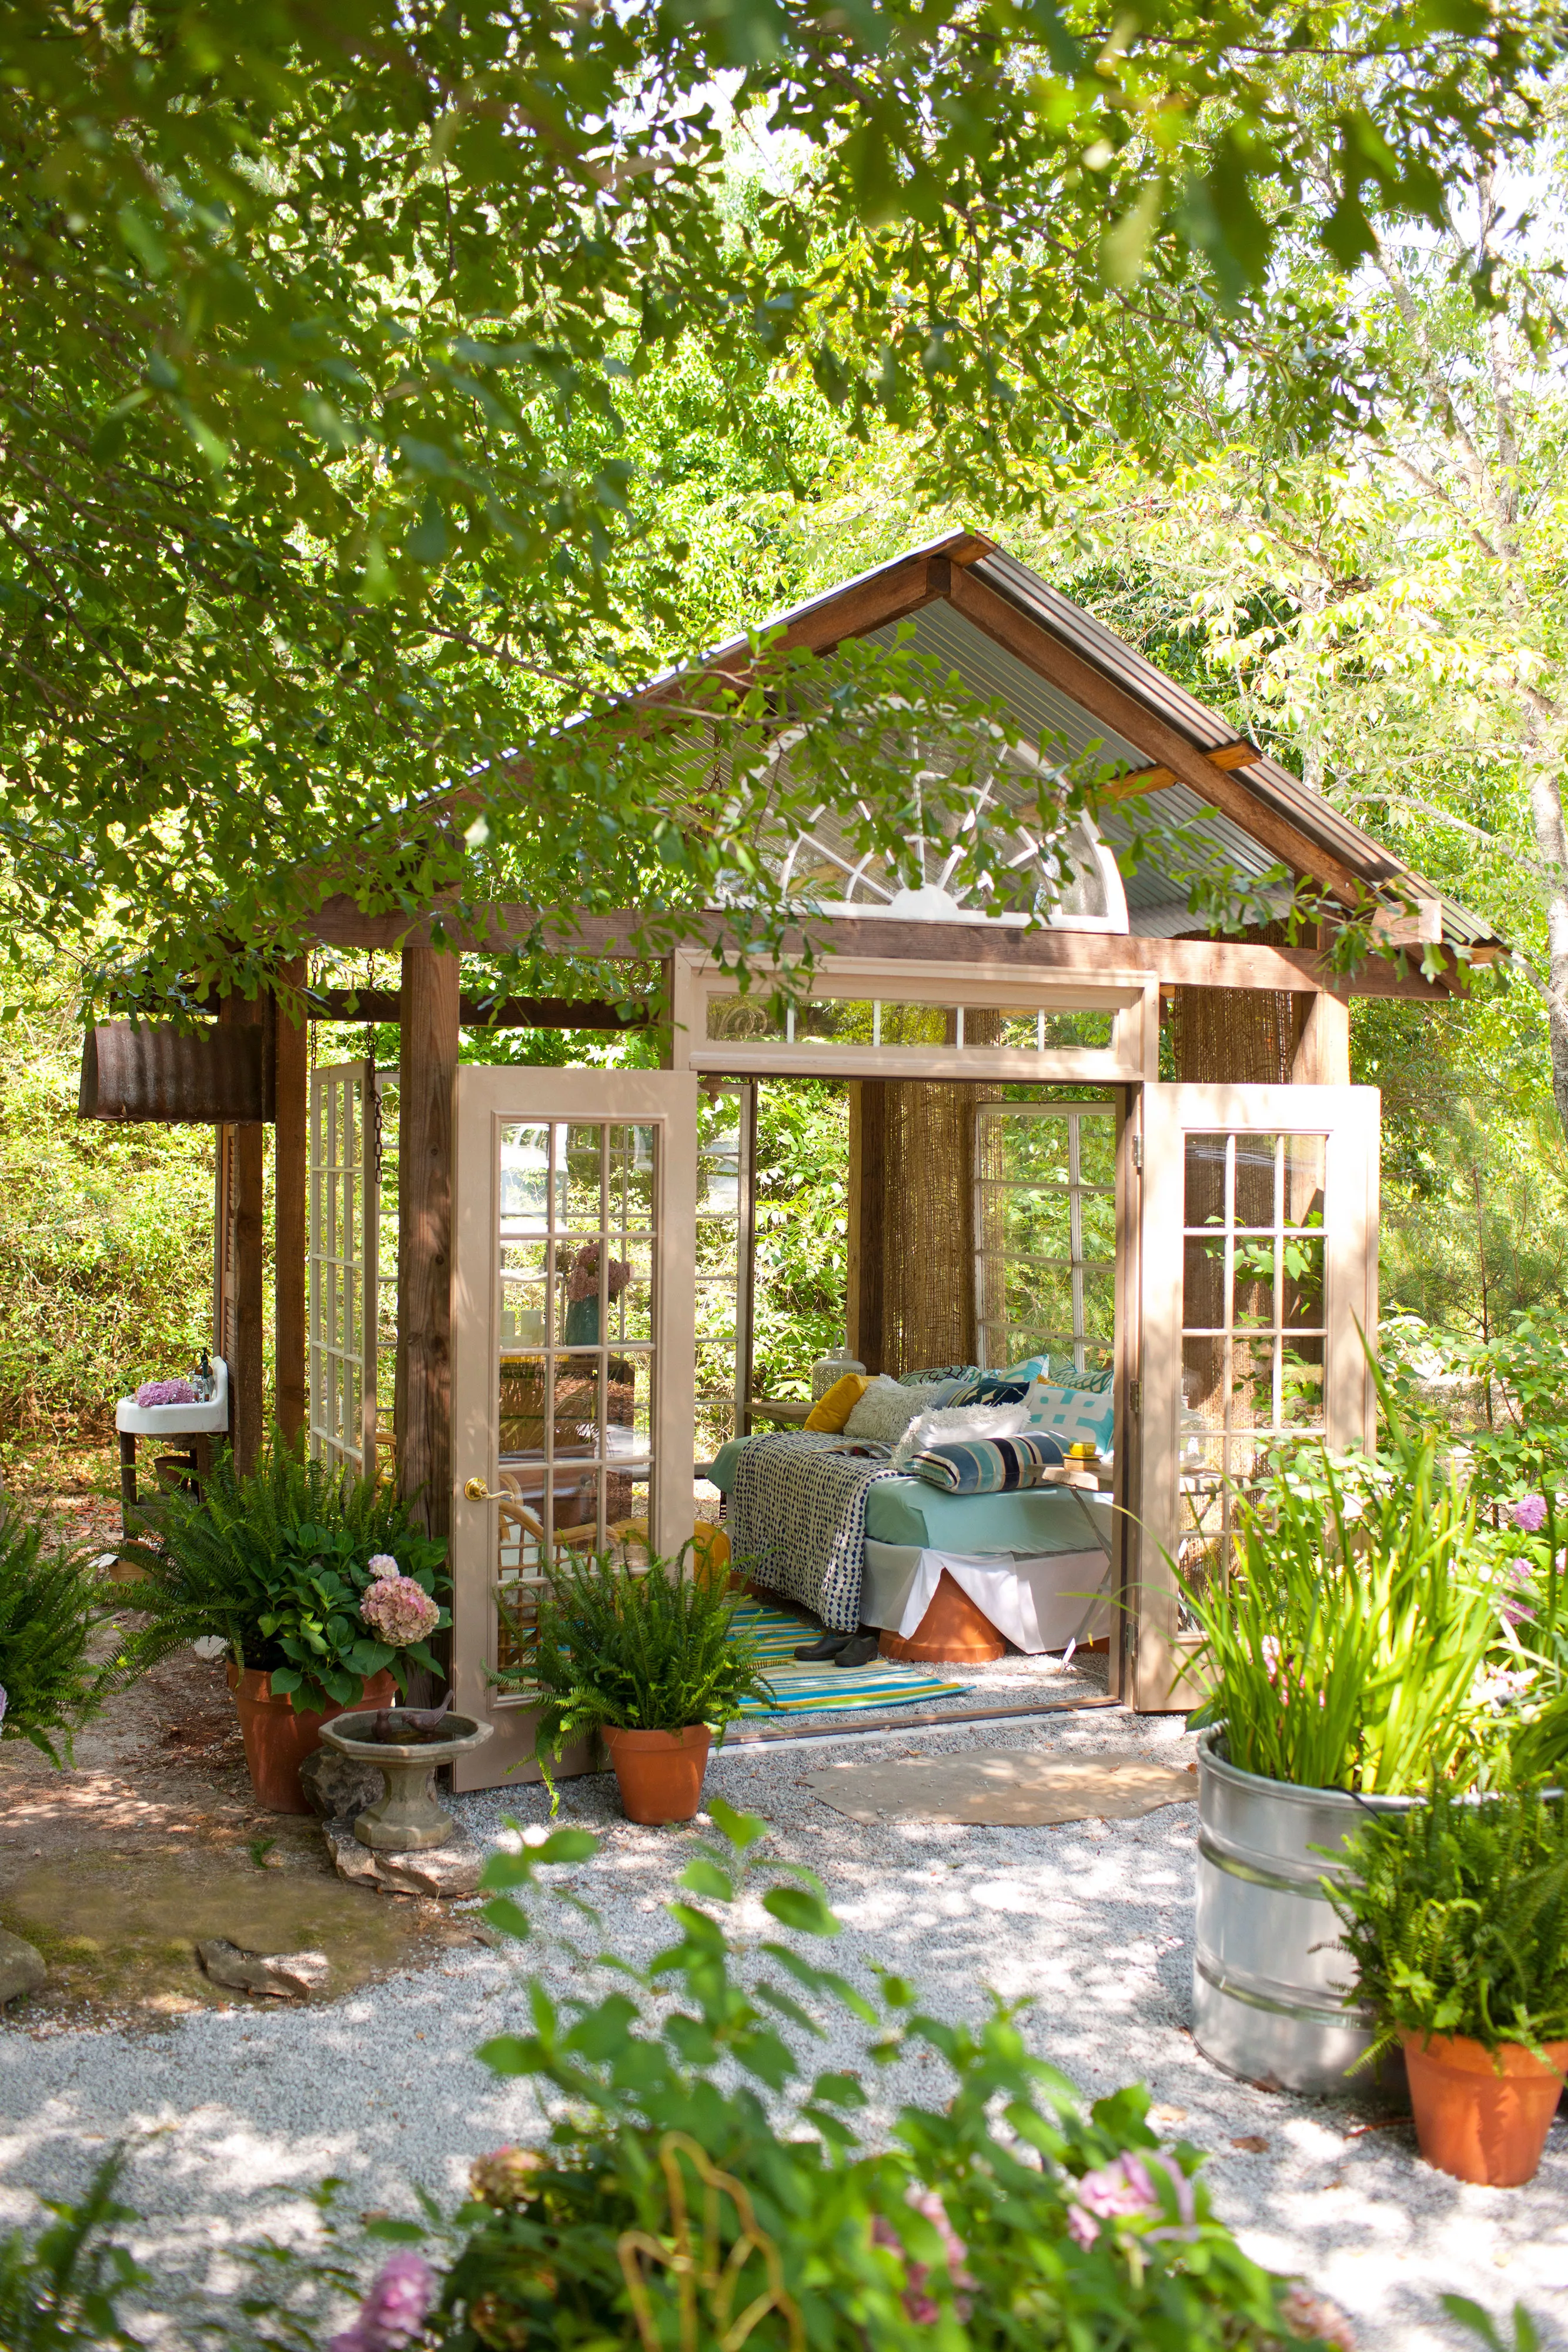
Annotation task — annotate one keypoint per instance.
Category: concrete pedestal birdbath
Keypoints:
(407, 1820)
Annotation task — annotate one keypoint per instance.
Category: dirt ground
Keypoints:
(152, 1839)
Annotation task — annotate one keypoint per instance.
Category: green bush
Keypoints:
(58, 2290)
(52, 1602)
(651, 1652)
(1457, 1918)
(697, 2173)
(276, 1565)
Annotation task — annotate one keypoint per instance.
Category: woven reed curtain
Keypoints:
(918, 1237)
(1234, 1037)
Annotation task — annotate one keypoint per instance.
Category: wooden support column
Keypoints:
(240, 1258)
(1321, 1056)
(427, 1071)
(292, 1086)
(863, 1221)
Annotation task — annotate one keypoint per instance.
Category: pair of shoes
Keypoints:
(860, 1651)
(825, 1646)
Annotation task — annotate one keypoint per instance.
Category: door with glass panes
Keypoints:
(1259, 1280)
(572, 1356)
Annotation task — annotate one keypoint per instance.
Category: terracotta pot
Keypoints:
(1482, 2114)
(660, 1772)
(277, 1741)
(953, 1631)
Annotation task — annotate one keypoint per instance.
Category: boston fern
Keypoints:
(652, 1652)
(277, 1565)
(1458, 1918)
(52, 1602)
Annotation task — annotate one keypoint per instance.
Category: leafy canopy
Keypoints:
(303, 312)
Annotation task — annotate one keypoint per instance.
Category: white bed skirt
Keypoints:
(1040, 1601)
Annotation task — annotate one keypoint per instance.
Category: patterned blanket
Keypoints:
(797, 1519)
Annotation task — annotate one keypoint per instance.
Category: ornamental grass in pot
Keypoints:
(320, 1586)
(1352, 1656)
(1456, 1919)
(653, 1661)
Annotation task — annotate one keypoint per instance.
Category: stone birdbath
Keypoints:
(407, 1819)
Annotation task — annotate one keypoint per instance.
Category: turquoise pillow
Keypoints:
(1073, 1416)
(987, 1465)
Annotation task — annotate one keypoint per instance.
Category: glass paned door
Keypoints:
(1045, 1235)
(1260, 1277)
(572, 1352)
(343, 1184)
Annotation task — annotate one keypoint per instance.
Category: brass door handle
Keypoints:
(478, 1492)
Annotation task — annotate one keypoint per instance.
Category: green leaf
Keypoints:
(566, 1845)
(427, 542)
(796, 1907)
(703, 1877)
(741, 1829)
(509, 1918)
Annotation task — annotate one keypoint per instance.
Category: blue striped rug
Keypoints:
(827, 1689)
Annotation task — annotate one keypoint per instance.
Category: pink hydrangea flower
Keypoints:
(382, 1563)
(1515, 1609)
(1123, 2190)
(921, 2306)
(165, 1392)
(584, 1280)
(1529, 1514)
(399, 1609)
(392, 2314)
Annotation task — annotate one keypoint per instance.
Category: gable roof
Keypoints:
(1008, 633)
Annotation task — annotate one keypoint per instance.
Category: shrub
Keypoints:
(57, 2289)
(651, 1652)
(1458, 1919)
(52, 1602)
(277, 1566)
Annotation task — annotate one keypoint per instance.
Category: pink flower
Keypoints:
(584, 1280)
(399, 1609)
(391, 2316)
(382, 1563)
(1123, 2190)
(1529, 1514)
(165, 1392)
(922, 2307)
(1514, 1610)
(1306, 2314)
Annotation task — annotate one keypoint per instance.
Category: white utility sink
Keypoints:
(177, 1419)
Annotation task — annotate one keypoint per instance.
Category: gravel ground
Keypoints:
(247, 2109)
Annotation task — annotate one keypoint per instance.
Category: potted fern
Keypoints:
(320, 1585)
(1456, 1919)
(653, 1661)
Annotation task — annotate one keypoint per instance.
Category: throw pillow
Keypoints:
(987, 1465)
(887, 1408)
(834, 1406)
(992, 1388)
(1074, 1416)
(956, 1420)
(938, 1372)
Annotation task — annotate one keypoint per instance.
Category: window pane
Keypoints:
(1096, 1149)
(1206, 1180)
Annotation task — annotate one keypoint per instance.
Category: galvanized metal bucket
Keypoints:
(1273, 1994)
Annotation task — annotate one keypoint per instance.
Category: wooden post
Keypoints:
(291, 1081)
(1321, 1056)
(240, 1260)
(863, 1221)
(427, 1070)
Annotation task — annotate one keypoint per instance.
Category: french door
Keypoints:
(344, 1176)
(573, 1352)
(1259, 1278)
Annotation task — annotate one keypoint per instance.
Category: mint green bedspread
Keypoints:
(908, 1511)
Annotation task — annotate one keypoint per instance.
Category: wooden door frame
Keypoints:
(486, 1095)
(1154, 1678)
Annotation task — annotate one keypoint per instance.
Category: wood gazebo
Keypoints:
(1259, 1133)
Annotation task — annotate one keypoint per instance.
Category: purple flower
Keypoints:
(1515, 1610)
(1123, 2190)
(165, 1392)
(1529, 1514)
(391, 2316)
(920, 2306)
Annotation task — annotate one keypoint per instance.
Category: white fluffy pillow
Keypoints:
(960, 1421)
(887, 1408)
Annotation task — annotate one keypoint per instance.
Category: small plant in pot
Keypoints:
(320, 1585)
(653, 1660)
(1456, 1919)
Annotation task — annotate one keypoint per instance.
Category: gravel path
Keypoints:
(249, 2109)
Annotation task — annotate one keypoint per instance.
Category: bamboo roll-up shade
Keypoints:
(927, 1241)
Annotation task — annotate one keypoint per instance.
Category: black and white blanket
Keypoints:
(797, 1518)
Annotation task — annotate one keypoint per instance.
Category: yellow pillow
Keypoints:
(831, 1411)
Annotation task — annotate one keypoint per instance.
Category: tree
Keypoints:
(303, 311)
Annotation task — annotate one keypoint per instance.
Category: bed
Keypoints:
(1036, 1562)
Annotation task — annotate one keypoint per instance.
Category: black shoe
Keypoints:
(826, 1645)
(860, 1651)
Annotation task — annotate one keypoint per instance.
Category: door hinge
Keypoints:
(1135, 1396)
(1138, 1153)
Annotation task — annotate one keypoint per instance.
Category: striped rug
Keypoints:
(827, 1689)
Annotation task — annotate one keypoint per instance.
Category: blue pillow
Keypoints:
(987, 1465)
(1073, 1416)
(992, 1388)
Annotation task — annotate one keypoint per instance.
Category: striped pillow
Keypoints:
(987, 1465)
